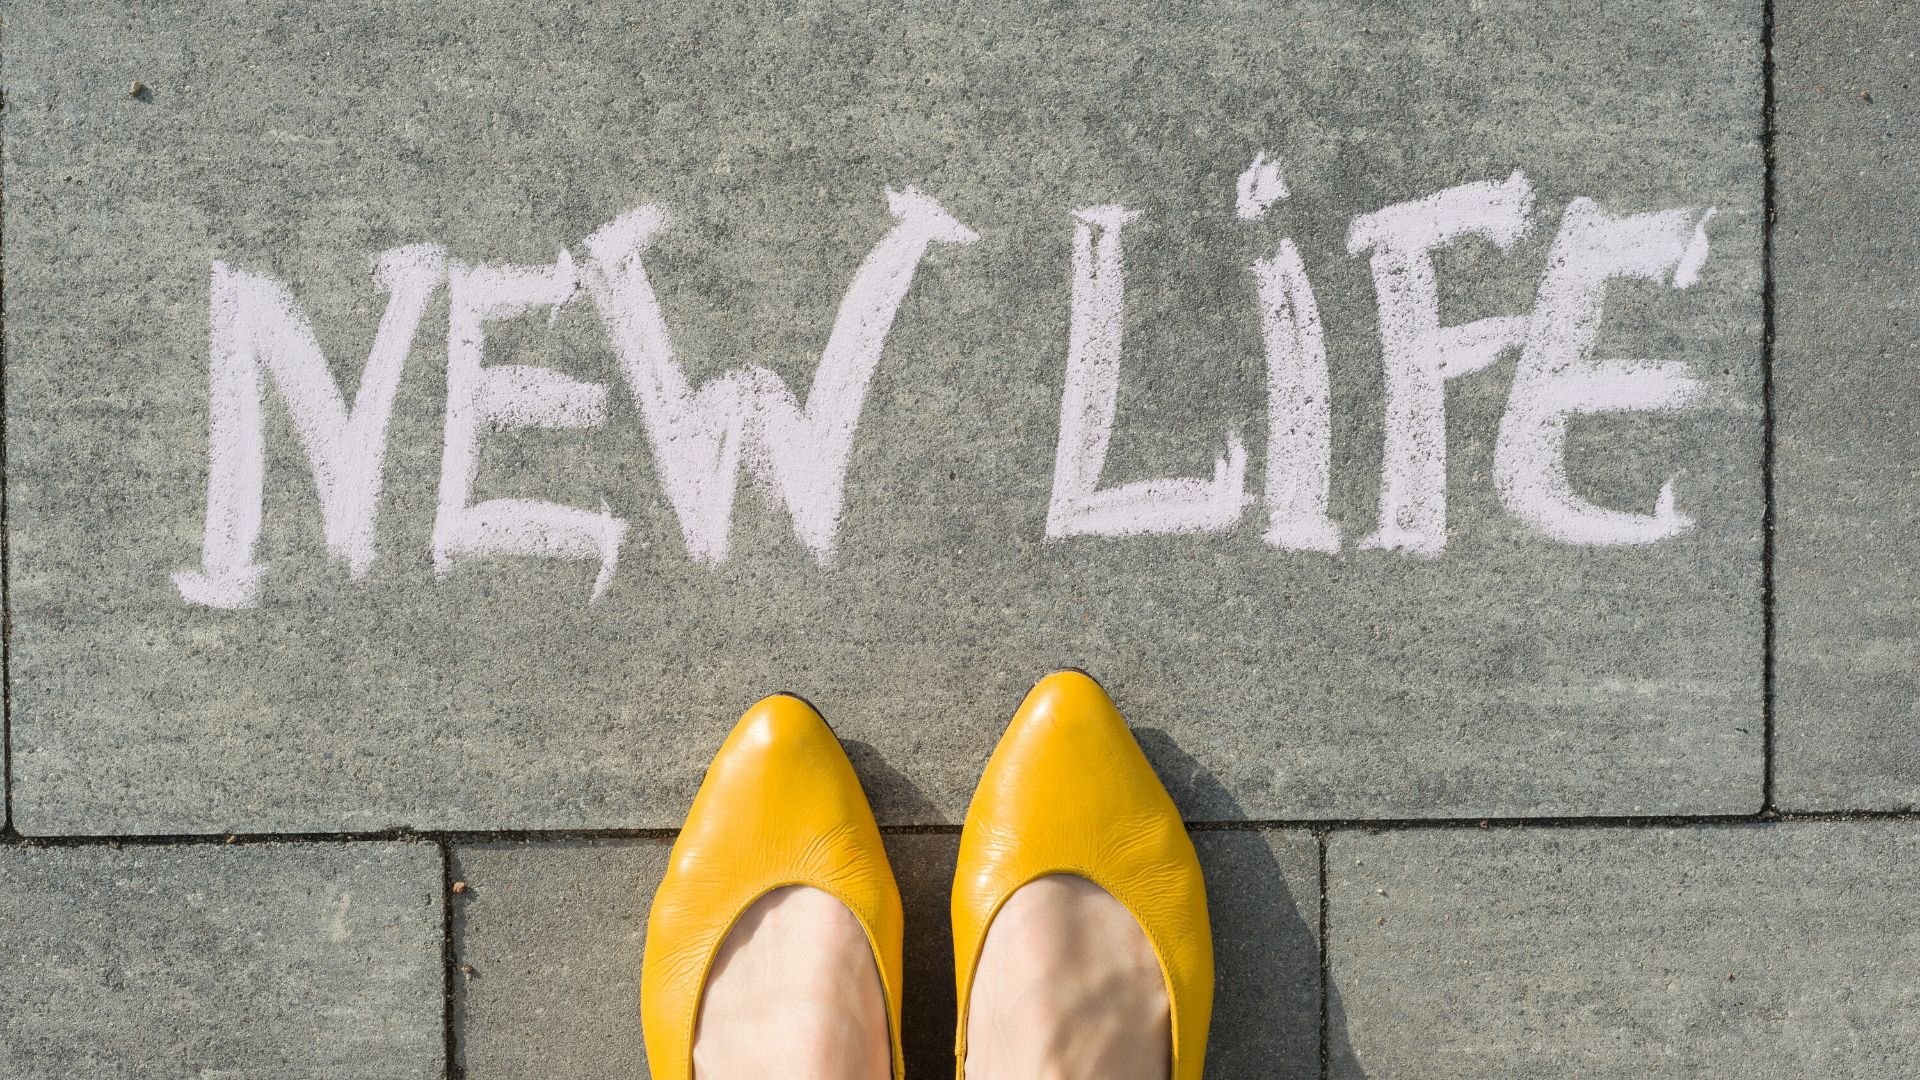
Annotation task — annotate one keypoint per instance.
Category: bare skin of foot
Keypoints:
(1067, 989)
(793, 993)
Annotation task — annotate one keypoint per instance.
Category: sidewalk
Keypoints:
(354, 693)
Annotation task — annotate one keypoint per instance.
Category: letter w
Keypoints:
(700, 439)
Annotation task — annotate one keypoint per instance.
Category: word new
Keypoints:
(702, 437)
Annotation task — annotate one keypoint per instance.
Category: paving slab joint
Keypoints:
(6, 561)
(1326, 981)
(1768, 213)
(449, 963)
(1317, 826)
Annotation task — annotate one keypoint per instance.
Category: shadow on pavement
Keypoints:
(892, 795)
(1263, 893)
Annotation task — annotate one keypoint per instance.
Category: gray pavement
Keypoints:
(1509, 674)
(1847, 377)
(550, 934)
(1536, 792)
(282, 960)
(1756, 950)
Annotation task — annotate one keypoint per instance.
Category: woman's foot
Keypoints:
(1067, 988)
(793, 992)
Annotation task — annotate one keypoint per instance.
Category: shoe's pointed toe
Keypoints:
(1068, 791)
(781, 765)
(1068, 715)
(780, 806)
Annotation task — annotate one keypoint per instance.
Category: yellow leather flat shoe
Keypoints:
(1068, 791)
(780, 806)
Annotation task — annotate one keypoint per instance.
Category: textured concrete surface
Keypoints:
(304, 961)
(554, 933)
(1784, 950)
(1847, 392)
(1513, 675)
(1263, 895)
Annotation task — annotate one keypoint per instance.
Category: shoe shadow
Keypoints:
(1264, 898)
(892, 796)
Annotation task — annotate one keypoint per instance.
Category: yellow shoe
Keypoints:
(1068, 791)
(780, 806)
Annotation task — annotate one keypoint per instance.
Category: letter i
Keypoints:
(1299, 409)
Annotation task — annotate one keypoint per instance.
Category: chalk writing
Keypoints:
(747, 420)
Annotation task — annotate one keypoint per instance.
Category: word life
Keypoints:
(747, 419)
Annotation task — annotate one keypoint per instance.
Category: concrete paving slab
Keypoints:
(1263, 894)
(1785, 950)
(554, 933)
(1847, 394)
(305, 961)
(1511, 673)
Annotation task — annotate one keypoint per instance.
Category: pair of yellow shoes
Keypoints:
(1067, 791)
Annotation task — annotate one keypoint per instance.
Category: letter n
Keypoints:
(256, 324)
